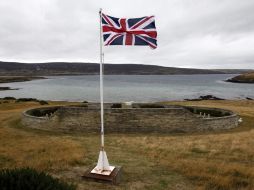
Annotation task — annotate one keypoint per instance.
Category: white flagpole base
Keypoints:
(103, 167)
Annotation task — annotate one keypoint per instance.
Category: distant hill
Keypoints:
(234, 71)
(243, 78)
(69, 68)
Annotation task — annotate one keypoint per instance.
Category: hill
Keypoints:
(234, 71)
(74, 68)
(243, 78)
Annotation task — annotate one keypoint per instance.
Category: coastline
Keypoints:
(208, 97)
(2, 88)
(247, 78)
(239, 81)
(9, 79)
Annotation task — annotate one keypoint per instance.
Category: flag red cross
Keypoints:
(142, 28)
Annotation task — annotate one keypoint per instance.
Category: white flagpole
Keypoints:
(102, 164)
(101, 87)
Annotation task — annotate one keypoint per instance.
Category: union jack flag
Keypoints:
(132, 31)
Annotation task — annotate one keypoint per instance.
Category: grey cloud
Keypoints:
(191, 33)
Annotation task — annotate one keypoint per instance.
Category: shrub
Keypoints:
(26, 100)
(9, 98)
(85, 102)
(43, 102)
(30, 179)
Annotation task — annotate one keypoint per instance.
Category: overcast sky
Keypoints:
(191, 33)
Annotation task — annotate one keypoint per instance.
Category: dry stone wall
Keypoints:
(161, 120)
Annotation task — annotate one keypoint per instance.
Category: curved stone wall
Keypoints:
(170, 119)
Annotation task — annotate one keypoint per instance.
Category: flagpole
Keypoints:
(101, 87)
(102, 164)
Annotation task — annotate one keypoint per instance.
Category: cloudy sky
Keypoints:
(191, 33)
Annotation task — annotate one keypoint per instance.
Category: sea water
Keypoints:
(137, 88)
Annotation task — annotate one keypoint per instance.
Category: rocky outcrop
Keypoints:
(206, 97)
(243, 78)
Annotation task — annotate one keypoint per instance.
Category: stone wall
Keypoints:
(175, 119)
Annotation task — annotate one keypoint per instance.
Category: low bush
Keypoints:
(9, 98)
(26, 100)
(30, 179)
(41, 102)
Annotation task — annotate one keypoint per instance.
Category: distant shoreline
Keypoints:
(244, 82)
(9, 79)
(2, 88)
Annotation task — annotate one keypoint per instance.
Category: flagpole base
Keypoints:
(103, 167)
(113, 178)
(103, 172)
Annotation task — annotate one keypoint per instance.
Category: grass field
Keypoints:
(214, 160)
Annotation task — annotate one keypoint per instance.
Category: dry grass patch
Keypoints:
(20, 148)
